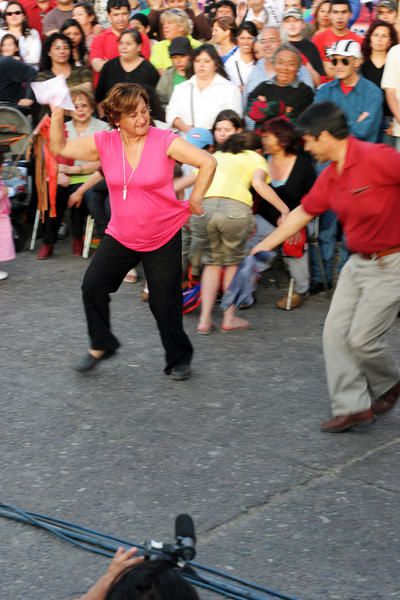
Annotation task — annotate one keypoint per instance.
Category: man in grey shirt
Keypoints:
(54, 19)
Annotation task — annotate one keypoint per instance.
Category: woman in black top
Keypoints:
(292, 176)
(128, 67)
(380, 37)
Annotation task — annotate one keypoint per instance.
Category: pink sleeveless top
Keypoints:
(151, 214)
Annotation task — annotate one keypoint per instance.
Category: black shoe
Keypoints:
(181, 372)
(318, 287)
(89, 362)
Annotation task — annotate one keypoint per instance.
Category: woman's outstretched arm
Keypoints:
(266, 191)
(83, 148)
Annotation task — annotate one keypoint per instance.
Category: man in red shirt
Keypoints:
(340, 15)
(362, 185)
(36, 10)
(105, 44)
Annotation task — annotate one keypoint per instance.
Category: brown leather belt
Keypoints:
(380, 253)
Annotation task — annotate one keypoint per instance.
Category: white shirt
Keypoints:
(391, 79)
(237, 70)
(207, 103)
(262, 17)
(275, 9)
(30, 46)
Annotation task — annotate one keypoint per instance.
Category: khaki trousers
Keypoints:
(359, 365)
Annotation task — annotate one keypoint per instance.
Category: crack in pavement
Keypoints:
(327, 474)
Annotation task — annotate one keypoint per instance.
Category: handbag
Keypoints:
(295, 249)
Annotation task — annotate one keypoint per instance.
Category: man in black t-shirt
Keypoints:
(294, 26)
(15, 77)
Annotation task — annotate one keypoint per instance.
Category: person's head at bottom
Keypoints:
(152, 580)
(324, 130)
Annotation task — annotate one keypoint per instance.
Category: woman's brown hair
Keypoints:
(123, 98)
(228, 24)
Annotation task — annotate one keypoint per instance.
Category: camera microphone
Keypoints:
(185, 537)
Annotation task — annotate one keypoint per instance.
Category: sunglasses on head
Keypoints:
(14, 12)
(344, 61)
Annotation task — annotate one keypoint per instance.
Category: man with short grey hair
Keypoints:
(264, 69)
(284, 93)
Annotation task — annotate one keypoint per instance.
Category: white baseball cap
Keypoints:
(345, 48)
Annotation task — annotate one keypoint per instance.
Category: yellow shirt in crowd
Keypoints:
(234, 173)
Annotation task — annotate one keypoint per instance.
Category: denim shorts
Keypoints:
(219, 236)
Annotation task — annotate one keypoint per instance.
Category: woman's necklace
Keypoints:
(133, 169)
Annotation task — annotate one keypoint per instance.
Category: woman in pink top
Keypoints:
(146, 219)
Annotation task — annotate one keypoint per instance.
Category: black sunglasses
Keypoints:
(15, 12)
(336, 61)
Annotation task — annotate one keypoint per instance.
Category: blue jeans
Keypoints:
(327, 236)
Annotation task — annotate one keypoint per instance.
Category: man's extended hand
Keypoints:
(123, 560)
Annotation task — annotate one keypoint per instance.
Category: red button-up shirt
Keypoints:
(365, 196)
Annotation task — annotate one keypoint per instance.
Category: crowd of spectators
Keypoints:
(227, 67)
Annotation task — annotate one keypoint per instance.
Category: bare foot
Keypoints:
(235, 324)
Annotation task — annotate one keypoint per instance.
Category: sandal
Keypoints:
(206, 329)
(131, 276)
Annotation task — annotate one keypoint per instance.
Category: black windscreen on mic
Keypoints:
(184, 527)
(185, 536)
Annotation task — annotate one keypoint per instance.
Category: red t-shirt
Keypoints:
(365, 196)
(346, 89)
(35, 15)
(325, 39)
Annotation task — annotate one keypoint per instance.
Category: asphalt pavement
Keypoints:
(124, 449)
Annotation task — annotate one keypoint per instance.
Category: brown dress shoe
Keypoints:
(387, 401)
(346, 422)
(297, 300)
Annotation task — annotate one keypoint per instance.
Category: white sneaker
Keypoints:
(3, 275)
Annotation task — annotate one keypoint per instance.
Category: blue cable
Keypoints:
(93, 541)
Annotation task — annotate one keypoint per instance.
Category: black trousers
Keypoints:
(77, 213)
(163, 271)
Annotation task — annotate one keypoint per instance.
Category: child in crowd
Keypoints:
(7, 249)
